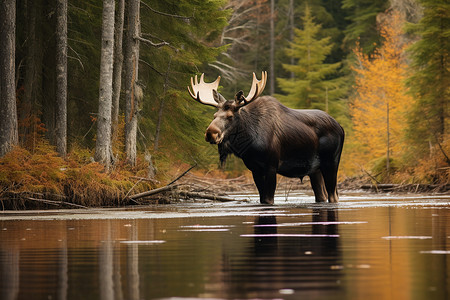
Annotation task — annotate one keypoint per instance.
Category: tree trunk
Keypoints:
(291, 29)
(9, 136)
(131, 61)
(103, 142)
(118, 63)
(61, 77)
(33, 76)
(272, 48)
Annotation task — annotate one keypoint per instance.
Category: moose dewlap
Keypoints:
(271, 138)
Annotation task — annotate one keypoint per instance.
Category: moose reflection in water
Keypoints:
(271, 138)
(301, 258)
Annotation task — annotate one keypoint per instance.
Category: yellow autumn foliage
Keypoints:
(380, 103)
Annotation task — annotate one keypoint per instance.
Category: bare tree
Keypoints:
(118, 63)
(133, 92)
(272, 48)
(8, 112)
(103, 142)
(61, 77)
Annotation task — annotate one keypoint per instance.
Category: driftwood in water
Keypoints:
(153, 192)
(443, 188)
(171, 186)
(209, 197)
(174, 189)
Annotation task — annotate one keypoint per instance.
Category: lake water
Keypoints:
(368, 246)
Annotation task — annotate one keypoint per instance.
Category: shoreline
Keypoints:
(194, 188)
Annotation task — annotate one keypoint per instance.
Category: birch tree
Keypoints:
(118, 63)
(8, 111)
(103, 142)
(61, 77)
(132, 90)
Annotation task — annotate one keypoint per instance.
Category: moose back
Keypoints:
(271, 138)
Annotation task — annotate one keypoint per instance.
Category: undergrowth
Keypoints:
(76, 179)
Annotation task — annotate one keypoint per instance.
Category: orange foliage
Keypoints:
(77, 178)
(380, 103)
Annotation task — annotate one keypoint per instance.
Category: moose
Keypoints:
(273, 139)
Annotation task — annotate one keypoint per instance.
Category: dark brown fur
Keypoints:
(272, 138)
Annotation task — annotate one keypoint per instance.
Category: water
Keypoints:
(366, 247)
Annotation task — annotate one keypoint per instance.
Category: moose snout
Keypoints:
(212, 134)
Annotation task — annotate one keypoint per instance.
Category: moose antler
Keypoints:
(203, 92)
(257, 87)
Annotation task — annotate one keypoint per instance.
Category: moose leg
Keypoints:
(258, 178)
(266, 185)
(330, 178)
(318, 186)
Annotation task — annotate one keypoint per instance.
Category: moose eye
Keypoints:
(229, 118)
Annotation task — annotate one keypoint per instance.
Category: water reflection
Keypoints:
(300, 260)
(288, 253)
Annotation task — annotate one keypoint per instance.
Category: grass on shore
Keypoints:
(76, 179)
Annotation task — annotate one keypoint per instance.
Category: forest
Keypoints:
(94, 101)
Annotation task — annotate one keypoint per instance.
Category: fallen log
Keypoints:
(153, 192)
(380, 186)
(210, 197)
(57, 203)
(415, 187)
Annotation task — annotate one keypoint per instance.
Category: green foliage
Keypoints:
(430, 77)
(313, 85)
(84, 37)
(165, 72)
(363, 23)
(380, 171)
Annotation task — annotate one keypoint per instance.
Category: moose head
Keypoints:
(206, 93)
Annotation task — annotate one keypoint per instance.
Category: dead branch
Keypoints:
(58, 203)
(157, 45)
(182, 174)
(186, 19)
(210, 197)
(153, 192)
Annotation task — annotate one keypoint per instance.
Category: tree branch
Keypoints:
(157, 45)
(186, 19)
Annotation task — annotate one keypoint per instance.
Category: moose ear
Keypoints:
(218, 97)
(239, 97)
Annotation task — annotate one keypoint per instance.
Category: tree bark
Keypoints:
(103, 142)
(118, 63)
(9, 136)
(61, 77)
(131, 61)
(272, 48)
(291, 29)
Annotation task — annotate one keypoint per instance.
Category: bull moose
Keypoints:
(271, 138)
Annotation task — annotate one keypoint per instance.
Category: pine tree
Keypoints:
(312, 86)
(379, 106)
(363, 23)
(430, 78)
